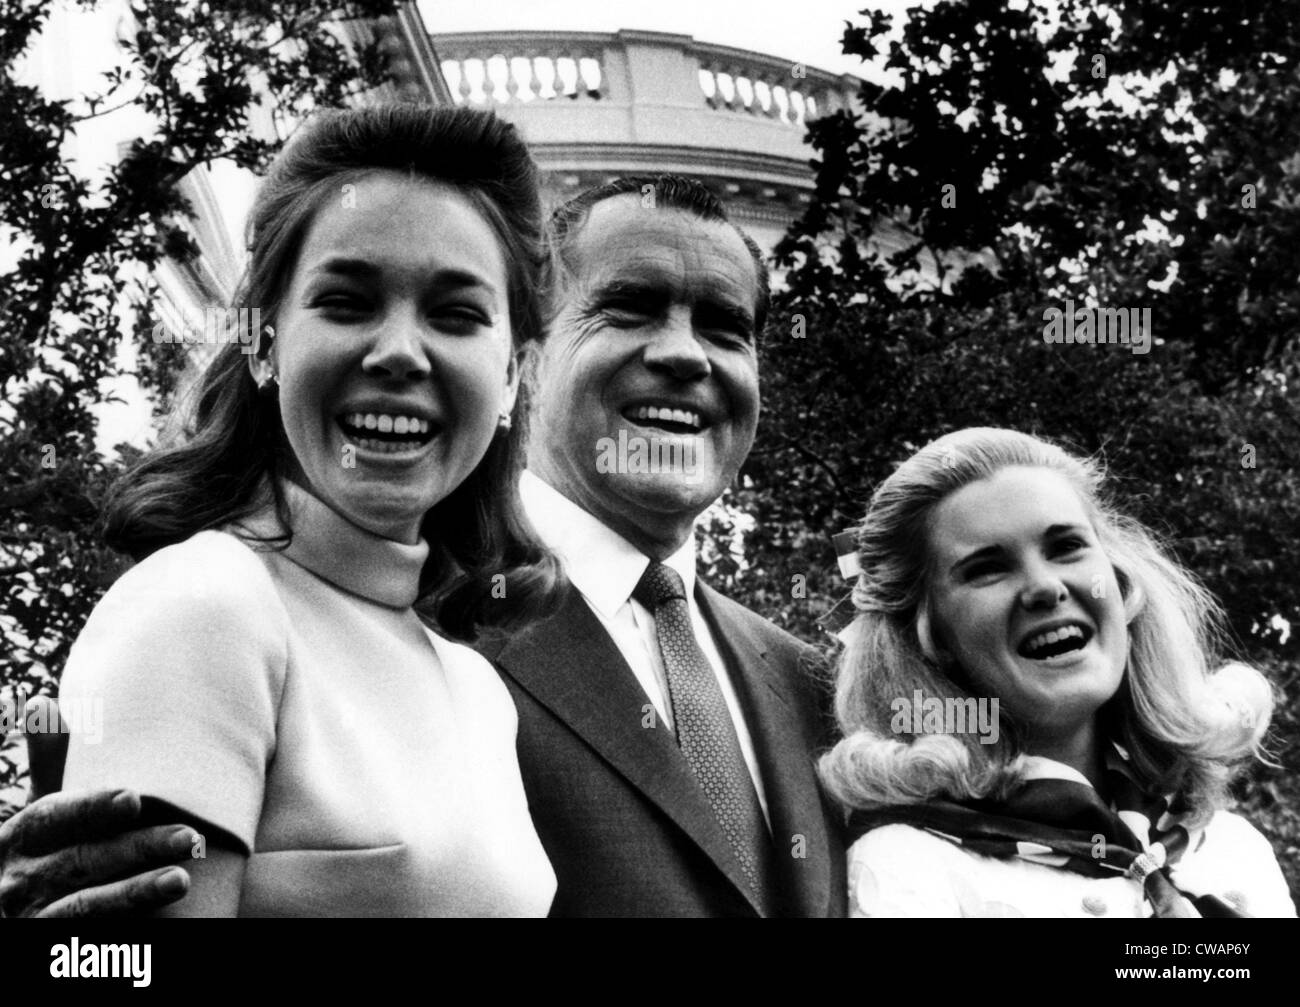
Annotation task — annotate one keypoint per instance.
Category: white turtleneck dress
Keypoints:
(294, 699)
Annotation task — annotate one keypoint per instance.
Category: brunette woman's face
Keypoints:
(1026, 602)
(393, 349)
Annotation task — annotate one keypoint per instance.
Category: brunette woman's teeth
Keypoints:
(386, 433)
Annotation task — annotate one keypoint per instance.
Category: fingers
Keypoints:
(134, 895)
(60, 820)
(83, 876)
(46, 750)
(88, 864)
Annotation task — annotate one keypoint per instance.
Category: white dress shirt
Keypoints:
(605, 568)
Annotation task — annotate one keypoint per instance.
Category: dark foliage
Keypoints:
(77, 291)
(1019, 179)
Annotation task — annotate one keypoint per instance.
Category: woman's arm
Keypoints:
(215, 865)
(173, 690)
(215, 886)
(215, 883)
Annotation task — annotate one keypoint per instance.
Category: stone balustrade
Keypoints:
(500, 68)
(518, 67)
(596, 105)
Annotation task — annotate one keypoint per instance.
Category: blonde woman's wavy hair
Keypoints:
(1184, 720)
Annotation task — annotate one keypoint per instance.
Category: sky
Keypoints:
(801, 31)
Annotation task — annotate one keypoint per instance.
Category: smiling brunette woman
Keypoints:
(263, 674)
(994, 573)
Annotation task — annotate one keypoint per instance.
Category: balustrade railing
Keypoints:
(502, 68)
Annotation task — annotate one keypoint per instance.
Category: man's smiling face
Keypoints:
(654, 338)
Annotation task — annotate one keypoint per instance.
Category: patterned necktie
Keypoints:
(704, 729)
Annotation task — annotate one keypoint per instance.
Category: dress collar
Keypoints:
(601, 564)
(332, 547)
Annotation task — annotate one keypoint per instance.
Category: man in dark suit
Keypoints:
(654, 342)
(666, 734)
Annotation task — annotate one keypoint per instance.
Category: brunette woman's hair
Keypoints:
(486, 569)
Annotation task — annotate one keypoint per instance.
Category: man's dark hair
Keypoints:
(671, 191)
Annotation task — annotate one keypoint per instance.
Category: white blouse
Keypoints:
(901, 871)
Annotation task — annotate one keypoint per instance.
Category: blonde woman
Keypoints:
(997, 580)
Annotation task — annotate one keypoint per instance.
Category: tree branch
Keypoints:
(105, 111)
(821, 463)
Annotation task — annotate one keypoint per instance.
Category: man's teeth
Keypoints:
(683, 416)
(386, 423)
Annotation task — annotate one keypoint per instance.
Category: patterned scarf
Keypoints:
(1064, 823)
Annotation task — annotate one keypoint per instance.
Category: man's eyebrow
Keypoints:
(731, 311)
(647, 290)
(618, 287)
(363, 269)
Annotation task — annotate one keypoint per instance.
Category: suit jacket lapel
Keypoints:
(569, 664)
(785, 740)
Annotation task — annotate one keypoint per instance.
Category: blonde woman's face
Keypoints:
(1026, 602)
